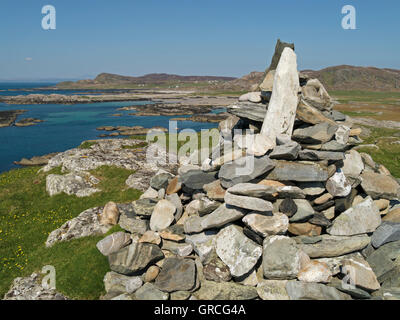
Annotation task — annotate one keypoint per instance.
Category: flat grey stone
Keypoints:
(134, 257)
(177, 274)
(362, 218)
(333, 246)
(298, 171)
(386, 232)
(319, 133)
(237, 251)
(244, 169)
(281, 258)
(249, 203)
(298, 290)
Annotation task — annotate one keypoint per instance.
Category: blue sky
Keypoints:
(190, 37)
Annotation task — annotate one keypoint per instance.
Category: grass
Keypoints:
(28, 215)
(87, 144)
(366, 96)
(175, 143)
(388, 153)
(359, 113)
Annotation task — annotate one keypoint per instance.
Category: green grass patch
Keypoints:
(28, 215)
(87, 144)
(366, 96)
(359, 113)
(388, 153)
(136, 146)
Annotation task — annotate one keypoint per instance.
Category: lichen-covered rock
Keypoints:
(281, 258)
(113, 242)
(84, 225)
(31, 288)
(78, 184)
(362, 218)
(237, 251)
(134, 257)
(177, 274)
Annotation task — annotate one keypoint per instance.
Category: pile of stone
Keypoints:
(312, 219)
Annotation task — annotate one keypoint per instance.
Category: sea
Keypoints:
(66, 126)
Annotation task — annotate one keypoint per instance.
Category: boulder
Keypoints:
(251, 96)
(115, 282)
(379, 185)
(223, 215)
(316, 95)
(174, 186)
(314, 155)
(337, 185)
(176, 274)
(160, 180)
(238, 252)
(385, 258)
(304, 229)
(249, 203)
(319, 133)
(196, 179)
(281, 258)
(282, 107)
(214, 190)
(110, 214)
(203, 244)
(353, 164)
(386, 232)
(134, 257)
(362, 218)
(244, 169)
(315, 271)
(266, 225)
(268, 82)
(216, 270)
(151, 273)
(84, 225)
(150, 237)
(162, 216)
(288, 151)
(392, 216)
(272, 290)
(360, 274)
(342, 134)
(311, 115)
(179, 249)
(298, 171)
(332, 246)
(211, 290)
(150, 292)
(78, 184)
(144, 207)
(304, 211)
(288, 207)
(300, 290)
(113, 243)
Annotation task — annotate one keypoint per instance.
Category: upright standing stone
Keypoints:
(284, 100)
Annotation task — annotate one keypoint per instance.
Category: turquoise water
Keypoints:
(66, 126)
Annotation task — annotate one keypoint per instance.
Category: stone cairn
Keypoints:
(313, 219)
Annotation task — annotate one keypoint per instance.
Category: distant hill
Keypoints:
(342, 77)
(153, 78)
(335, 78)
(346, 77)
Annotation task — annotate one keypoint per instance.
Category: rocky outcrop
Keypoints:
(85, 224)
(31, 288)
